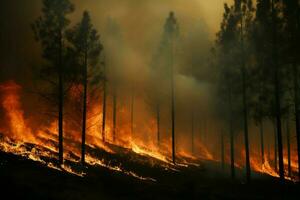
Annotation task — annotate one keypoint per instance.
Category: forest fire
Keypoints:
(46, 139)
(151, 100)
(41, 145)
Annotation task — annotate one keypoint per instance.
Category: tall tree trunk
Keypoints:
(248, 167)
(132, 111)
(277, 96)
(193, 135)
(104, 106)
(222, 150)
(288, 140)
(269, 151)
(158, 123)
(279, 133)
(60, 102)
(297, 112)
(245, 111)
(232, 151)
(275, 148)
(261, 122)
(204, 132)
(296, 89)
(172, 101)
(114, 113)
(231, 135)
(262, 146)
(84, 110)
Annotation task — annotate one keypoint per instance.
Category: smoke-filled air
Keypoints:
(150, 99)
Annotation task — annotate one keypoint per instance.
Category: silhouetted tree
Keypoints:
(231, 43)
(193, 132)
(86, 43)
(291, 14)
(277, 84)
(49, 30)
(227, 75)
(171, 31)
(244, 10)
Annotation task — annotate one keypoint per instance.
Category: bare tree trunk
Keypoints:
(288, 140)
(222, 150)
(204, 132)
(231, 136)
(277, 96)
(279, 133)
(114, 113)
(295, 41)
(104, 106)
(248, 167)
(232, 151)
(275, 148)
(172, 102)
(158, 124)
(60, 102)
(269, 151)
(132, 111)
(262, 148)
(297, 113)
(84, 111)
(193, 135)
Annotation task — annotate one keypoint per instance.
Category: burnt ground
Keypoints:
(21, 178)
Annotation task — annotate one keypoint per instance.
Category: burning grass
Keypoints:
(122, 156)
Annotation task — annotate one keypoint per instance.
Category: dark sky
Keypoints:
(16, 39)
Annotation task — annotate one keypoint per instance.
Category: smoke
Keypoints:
(128, 57)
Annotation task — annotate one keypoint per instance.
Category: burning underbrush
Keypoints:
(41, 145)
(127, 155)
(72, 165)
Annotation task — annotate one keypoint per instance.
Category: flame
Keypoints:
(146, 151)
(264, 168)
(14, 113)
(44, 140)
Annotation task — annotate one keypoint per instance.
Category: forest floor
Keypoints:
(21, 178)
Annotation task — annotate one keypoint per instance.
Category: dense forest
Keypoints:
(143, 98)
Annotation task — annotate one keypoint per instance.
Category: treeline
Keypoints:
(257, 59)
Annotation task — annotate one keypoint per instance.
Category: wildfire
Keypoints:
(41, 145)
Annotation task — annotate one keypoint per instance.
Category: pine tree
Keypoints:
(231, 42)
(171, 31)
(291, 13)
(277, 85)
(86, 43)
(244, 9)
(49, 30)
